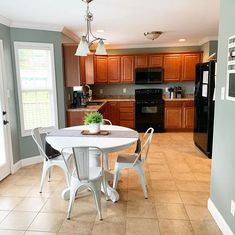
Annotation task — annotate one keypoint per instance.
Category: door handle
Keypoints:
(5, 122)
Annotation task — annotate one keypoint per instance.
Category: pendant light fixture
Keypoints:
(87, 41)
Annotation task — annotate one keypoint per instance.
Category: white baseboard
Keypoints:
(26, 162)
(219, 218)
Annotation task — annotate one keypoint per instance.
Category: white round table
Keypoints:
(106, 143)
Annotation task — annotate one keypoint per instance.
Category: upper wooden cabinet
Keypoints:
(141, 61)
(101, 65)
(189, 62)
(155, 60)
(89, 69)
(114, 65)
(127, 69)
(71, 66)
(172, 67)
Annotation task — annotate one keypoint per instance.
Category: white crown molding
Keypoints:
(5, 21)
(45, 27)
(224, 227)
(70, 34)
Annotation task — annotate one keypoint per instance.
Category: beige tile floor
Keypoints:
(178, 179)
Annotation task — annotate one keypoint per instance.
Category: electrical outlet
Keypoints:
(166, 89)
(232, 207)
(222, 93)
(101, 91)
(124, 90)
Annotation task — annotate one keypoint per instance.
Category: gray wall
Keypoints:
(5, 37)
(209, 48)
(223, 162)
(27, 146)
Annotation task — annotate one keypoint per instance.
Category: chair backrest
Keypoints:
(38, 140)
(145, 144)
(107, 122)
(81, 159)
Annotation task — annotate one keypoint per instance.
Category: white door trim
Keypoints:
(4, 81)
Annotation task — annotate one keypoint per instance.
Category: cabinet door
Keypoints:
(188, 115)
(101, 64)
(173, 115)
(89, 68)
(114, 69)
(113, 112)
(141, 61)
(172, 67)
(189, 66)
(127, 69)
(82, 68)
(71, 66)
(75, 118)
(155, 60)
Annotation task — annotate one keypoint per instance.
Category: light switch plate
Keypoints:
(124, 90)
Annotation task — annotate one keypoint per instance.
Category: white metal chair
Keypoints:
(47, 162)
(107, 122)
(135, 161)
(83, 176)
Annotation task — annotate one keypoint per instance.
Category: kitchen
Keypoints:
(166, 83)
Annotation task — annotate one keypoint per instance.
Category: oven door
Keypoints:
(149, 114)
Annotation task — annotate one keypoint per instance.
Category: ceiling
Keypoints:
(124, 22)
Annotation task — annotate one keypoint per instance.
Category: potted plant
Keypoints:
(93, 120)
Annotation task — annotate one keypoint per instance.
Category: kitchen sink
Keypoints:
(93, 103)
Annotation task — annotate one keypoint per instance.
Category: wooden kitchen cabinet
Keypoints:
(127, 113)
(113, 112)
(101, 67)
(172, 67)
(188, 115)
(155, 60)
(71, 66)
(75, 118)
(189, 62)
(114, 67)
(141, 61)
(173, 115)
(127, 69)
(179, 115)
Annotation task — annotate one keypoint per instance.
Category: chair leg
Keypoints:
(96, 190)
(49, 173)
(44, 174)
(140, 171)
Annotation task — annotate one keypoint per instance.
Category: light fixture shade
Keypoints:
(152, 35)
(83, 48)
(100, 50)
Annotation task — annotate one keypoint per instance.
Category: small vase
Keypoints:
(94, 128)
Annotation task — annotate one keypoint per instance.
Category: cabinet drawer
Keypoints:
(126, 110)
(188, 103)
(126, 116)
(173, 104)
(126, 104)
(130, 124)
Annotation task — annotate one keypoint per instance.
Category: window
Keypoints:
(35, 72)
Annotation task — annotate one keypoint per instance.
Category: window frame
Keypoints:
(35, 45)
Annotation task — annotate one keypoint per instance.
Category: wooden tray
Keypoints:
(86, 132)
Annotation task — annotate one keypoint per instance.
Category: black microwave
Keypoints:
(148, 75)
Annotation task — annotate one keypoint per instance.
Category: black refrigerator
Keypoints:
(204, 106)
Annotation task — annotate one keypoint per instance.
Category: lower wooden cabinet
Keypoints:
(179, 115)
(75, 118)
(127, 114)
(113, 112)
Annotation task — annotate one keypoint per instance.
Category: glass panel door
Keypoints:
(4, 143)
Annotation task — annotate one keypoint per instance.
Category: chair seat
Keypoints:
(126, 158)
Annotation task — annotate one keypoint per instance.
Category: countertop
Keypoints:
(179, 99)
(90, 108)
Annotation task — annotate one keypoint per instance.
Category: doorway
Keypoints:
(5, 141)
